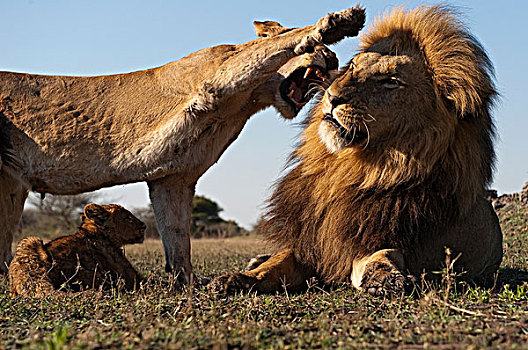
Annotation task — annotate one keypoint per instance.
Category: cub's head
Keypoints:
(296, 82)
(420, 84)
(114, 223)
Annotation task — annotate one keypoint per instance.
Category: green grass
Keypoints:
(160, 315)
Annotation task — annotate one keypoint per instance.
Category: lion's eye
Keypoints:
(391, 83)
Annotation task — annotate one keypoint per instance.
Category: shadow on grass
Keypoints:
(513, 277)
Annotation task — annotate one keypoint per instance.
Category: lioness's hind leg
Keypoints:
(382, 274)
(12, 198)
(280, 271)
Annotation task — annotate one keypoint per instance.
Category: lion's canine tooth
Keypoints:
(308, 71)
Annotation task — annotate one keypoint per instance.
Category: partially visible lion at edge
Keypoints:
(391, 168)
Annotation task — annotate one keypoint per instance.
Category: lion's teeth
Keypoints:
(308, 71)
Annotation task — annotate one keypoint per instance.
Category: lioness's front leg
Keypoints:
(171, 199)
(251, 64)
(381, 273)
(281, 270)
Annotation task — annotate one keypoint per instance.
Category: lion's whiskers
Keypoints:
(368, 133)
(313, 88)
(372, 119)
(353, 136)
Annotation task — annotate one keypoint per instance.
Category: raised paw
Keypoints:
(332, 28)
(338, 25)
(231, 283)
(380, 279)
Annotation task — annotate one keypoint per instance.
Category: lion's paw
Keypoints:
(231, 283)
(338, 25)
(257, 261)
(380, 279)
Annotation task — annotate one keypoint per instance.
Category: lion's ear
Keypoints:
(268, 28)
(96, 213)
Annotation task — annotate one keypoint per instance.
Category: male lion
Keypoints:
(90, 258)
(392, 166)
(165, 126)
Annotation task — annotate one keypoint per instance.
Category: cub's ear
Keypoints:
(269, 28)
(96, 213)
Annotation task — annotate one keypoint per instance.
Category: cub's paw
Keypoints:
(338, 25)
(231, 283)
(381, 279)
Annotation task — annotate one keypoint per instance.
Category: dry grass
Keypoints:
(160, 315)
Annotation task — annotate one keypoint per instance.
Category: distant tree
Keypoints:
(257, 228)
(58, 215)
(65, 209)
(205, 211)
(206, 221)
(53, 215)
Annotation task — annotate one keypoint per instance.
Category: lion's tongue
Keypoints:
(296, 93)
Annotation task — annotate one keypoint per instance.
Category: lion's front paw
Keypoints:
(338, 25)
(231, 283)
(257, 261)
(383, 279)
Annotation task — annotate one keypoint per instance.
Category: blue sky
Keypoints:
(96, 37)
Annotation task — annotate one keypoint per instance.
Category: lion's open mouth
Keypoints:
(351, 134)
(300, 86)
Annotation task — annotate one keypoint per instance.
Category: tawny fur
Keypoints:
(165, 126)
(394, 161)
(91, 258)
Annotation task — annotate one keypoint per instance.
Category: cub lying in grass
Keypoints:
(90, 258)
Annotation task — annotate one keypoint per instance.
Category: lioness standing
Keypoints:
(165, 126)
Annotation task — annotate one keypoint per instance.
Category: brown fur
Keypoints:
(90, 258)
(165, 126)
(403, 175)
(268, 29)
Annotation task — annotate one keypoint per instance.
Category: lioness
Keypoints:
(90, 258)
(165, 126)
(392, 166)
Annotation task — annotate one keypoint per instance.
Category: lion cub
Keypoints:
(90, 258)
